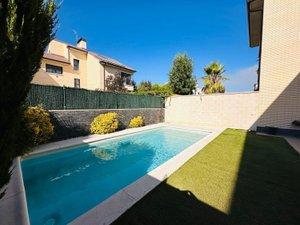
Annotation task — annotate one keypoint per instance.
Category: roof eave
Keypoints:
(255, 17)
(118, 66)
(56, 60)
(79, 49)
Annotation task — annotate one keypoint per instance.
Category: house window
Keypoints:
(54, 69)
(127, 78)
(76, 64)
(77, 83)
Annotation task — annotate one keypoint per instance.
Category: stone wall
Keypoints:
(74, 123)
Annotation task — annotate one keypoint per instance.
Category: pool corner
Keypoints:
(13, 206)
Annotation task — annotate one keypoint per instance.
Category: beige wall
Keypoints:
(95, 73)
(81, 73)
(213, 111)
(59, 48)
(91, 71)
(69, 74)
(44, 78)
(279, 101)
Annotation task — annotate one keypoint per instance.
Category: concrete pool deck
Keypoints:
(13, 207)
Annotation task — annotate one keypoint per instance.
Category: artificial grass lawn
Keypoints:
(239, 178)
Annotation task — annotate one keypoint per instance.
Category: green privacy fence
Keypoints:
(52, 97)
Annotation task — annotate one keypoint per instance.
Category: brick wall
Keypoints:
(213, 111)
(279, 100)
(74, 123)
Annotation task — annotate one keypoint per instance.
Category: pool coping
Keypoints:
(110, 209)
(64, 144)
(13, 206)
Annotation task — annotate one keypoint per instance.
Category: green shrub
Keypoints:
(163, 90)
(38, 126)
(105, 123)
(137, 121)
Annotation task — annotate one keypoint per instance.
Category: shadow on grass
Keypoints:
(260, 174)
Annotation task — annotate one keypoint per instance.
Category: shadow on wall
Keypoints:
(43, 78)
(247, 179)
(284, 109)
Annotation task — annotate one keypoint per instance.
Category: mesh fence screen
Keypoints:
(52, 97)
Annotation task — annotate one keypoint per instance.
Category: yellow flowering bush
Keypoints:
(105, 123)
(137, 121)
(38, 125)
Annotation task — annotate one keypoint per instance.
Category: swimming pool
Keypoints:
(64, 184)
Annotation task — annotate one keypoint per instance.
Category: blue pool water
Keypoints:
(63, 185)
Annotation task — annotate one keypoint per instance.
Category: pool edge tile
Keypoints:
(87, 139)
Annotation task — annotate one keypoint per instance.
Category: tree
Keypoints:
(164, 90)
(145, 86)
(26, 30)
(133, 83)
(214, 75)
(115, 83)
(181, 77)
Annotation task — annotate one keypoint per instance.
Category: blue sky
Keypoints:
(146, 35)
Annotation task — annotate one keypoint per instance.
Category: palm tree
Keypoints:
(214, 75)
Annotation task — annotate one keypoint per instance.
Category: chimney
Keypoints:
(81, 43)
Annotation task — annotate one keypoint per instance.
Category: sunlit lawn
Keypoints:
(239, 178)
